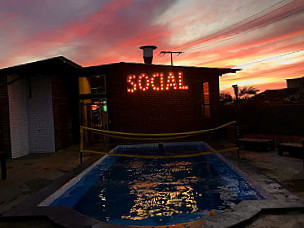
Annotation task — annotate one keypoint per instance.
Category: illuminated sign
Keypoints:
(156, 82)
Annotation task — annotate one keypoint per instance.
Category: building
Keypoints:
(295, 83)
(277, 112)
(40, 101)
(39, 106)
(292, 94)
(153, 98)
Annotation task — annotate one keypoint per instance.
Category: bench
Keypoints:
(293, 149)
(257, 143)
(3, 157)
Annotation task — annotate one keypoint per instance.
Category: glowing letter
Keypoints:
(160, 83)
(139, 82)
(171, 81)
(132, 83)
(180, 81)
(154, 87)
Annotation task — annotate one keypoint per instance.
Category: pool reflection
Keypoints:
(160, 194)
(164, 191)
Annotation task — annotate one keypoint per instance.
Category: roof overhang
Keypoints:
(42, 66)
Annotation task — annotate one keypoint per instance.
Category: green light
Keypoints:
(105, 108)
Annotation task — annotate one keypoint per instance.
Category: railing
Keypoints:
(153, 137)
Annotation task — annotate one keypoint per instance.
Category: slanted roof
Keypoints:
(218, 71)
(276, 95)
(61, 62)
(50, 64)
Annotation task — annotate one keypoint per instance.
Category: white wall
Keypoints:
(18, 95)
(40, 116)
(31, 118)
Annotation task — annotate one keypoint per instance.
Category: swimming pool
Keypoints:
(136, 191)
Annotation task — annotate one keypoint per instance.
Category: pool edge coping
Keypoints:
(60, 191)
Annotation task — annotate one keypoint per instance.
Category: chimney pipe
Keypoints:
(148, 53)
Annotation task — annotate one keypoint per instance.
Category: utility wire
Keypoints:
(237, 34)
(235, 27)
(269, 58)
(240, 22)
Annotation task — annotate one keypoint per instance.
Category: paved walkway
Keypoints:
(29, 174)
(287, 172)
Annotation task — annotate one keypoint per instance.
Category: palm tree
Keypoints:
(248, 91)
(245, 92)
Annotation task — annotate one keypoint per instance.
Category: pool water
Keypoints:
(138, 191)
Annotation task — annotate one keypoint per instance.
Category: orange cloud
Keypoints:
(112, 31)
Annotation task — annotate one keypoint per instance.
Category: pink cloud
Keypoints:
(112, 31)
(118, 24)
(292, 8)
(254, 49)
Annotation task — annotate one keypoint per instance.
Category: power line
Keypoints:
(237, 34)
(231, 26)
(241, 24)
(272, 57)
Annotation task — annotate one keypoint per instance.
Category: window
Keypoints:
(206, 100)
(98, 85)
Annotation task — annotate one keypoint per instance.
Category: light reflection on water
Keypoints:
(160, 194)
(163, 191)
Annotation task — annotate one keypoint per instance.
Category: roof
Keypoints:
(42, 65)
(295, 79)
(52, 63)
(219, 71)
(277, 95)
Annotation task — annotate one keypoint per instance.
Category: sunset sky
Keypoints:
(264, 38)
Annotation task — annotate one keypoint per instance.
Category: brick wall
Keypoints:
(159, 111)
(4, 116)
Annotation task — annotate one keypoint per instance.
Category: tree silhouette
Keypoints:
(245, 92)
(225, 97)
